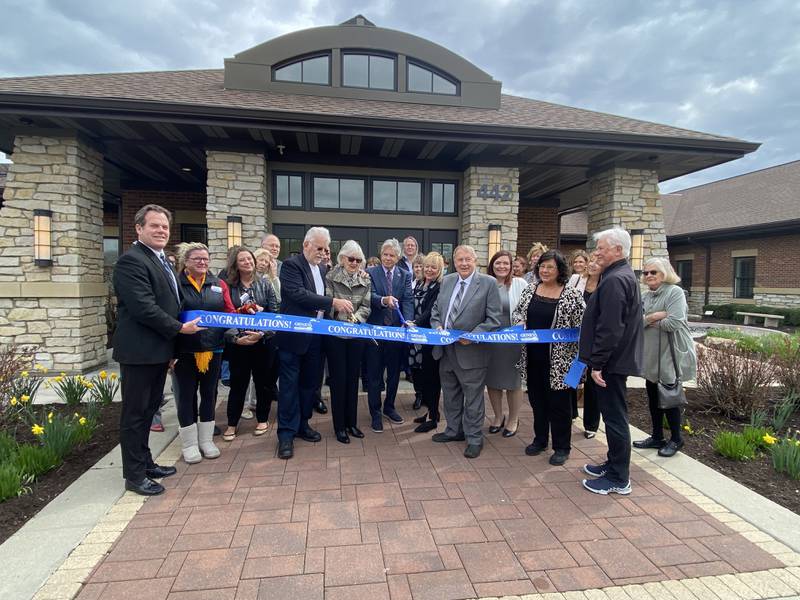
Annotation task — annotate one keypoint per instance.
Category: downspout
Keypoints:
(708, 273)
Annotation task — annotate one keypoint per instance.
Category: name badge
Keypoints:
(216, 289)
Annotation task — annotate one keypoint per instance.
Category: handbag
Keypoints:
(670, 395)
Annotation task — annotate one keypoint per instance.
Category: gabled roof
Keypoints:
(770, 196)
(204, 88)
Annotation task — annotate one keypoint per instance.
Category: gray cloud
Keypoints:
(730, 68)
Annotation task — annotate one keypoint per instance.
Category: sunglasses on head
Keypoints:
(352, 259)
(649, 272)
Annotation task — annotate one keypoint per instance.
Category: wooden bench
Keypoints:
(769, 320)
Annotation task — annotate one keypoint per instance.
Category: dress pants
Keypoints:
(591, 413)
(657, 415)
(256, 361)
(552, 409)
(614, 408)
(299, 379)
(386, 357)
(344, 364)
(142, 388)
(462, 390)
(430, 385)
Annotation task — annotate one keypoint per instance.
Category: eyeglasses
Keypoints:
(353, 259)
(649, 272)
(193, 259)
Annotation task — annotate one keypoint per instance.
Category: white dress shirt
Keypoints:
(467, 283)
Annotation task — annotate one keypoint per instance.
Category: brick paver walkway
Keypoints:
(397, 516)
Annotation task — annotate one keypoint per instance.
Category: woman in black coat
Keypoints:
(424, 367)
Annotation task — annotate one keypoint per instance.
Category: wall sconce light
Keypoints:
(234, 231)
(494, 239)
(42, 237)
(637, 249)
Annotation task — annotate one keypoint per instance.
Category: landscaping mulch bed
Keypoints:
(15, 512)
(757, 474)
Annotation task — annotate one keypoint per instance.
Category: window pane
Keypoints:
(384, 195)
(352, 193)
(292, 72)
(356, 70)
(326, 192)
(409, 196)
(381, 73)
(281, 190)
(295, 191)
(449, 202)
(443, 86)
(419, 79)
(315, 70)
(436, 197)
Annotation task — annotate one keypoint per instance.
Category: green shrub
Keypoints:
(8, 447)
(755, 436)
(728, 312)
(786, 457)
(35, 460)
(70, 388)
(734, 446)
(10, 481)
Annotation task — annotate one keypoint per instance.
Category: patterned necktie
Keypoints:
(388, 314)
(170, 274)
(456, 304)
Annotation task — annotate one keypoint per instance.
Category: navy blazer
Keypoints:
(401, 289)
(299, 297)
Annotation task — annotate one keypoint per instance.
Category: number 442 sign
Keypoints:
(495, 192)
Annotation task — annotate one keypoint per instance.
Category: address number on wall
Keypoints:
(495, 192)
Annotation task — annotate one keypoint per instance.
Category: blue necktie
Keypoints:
(170, 274)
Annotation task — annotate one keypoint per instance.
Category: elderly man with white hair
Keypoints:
(611, 345)
(303, 294)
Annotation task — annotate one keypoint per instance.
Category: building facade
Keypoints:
(371, 132)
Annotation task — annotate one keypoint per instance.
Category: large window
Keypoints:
(314, 69)
(368, 71)
(422, 79)
(443, 198)
(288, 191)
(744, 276)
(396, 196)
(684, 270)
(338, 193)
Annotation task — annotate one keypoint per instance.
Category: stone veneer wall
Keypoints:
(477, 213)
(628, 198)
(60, 309)
(236, 186)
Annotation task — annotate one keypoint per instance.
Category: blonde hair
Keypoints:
(435, 259)
(184, 249)
(663, 266)
(259, 252)
(538, 248)
(576, 253)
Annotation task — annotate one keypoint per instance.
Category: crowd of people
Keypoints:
(622, 334)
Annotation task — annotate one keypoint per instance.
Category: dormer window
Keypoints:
(425, 80)
(371, 71)
(314, 69)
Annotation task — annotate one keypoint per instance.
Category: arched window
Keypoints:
(371, 71)
(313, 69)
(423, 79)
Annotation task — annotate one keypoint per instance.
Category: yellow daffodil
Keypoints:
(88, 385)
(50, 417)
(769, 440)
(77, 415)
(103, 374)
(13, 402)
(24, 373)
(37, 429)
(39, 367)
(82, 420)
(63, 374)
(113, 376)
(24, 398)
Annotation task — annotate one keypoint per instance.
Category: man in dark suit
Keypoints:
(144, 343)
(303, 294)
(391, 292)
(468, 301)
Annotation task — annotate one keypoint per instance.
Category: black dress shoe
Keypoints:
(649, 443)
(670, 449)
(285, 449)
(426, 426)
(341, 436)
(473, 451)
(507, 433)
(497, 428)
(309, 435)
(444, 438)
(321, 407)
(145, 487)
(421, 419)
(534, 449)
(417, 402)
(158, 472)
(559, 457)
(355, 432)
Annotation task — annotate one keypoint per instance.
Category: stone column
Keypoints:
(58, 309)
(628, 198)
(236, 187)
(490, 195)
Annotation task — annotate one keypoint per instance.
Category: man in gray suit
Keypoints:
(468, 301)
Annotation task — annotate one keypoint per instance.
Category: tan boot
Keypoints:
(189, 447)
(205, 434)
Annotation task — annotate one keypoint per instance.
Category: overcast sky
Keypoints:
(729, 68)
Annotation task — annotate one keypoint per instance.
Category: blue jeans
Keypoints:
(298, 380)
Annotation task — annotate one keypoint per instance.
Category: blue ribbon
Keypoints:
(265, 321)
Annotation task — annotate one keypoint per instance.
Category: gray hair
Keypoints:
(268, 235)
(616, 236)
(663, 266)
(317, 232)
(395, 246)
(350, 248)
(467, 248)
